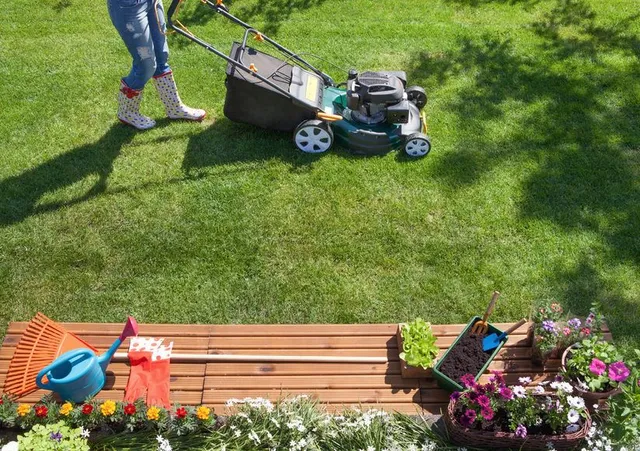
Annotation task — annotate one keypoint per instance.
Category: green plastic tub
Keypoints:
(445, 381)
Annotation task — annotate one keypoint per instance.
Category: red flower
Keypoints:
(130, 409)
(41, 411)
(181, 412)
(1, 401)
(129, 92)
(585, 330)
(87, 409)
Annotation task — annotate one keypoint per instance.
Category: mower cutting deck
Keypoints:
(371, 113)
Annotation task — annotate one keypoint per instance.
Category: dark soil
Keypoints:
(467, 357)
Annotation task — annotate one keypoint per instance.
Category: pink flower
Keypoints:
(566, 331)
(618, 372)
(483, 401)
(468, 380)
(521, 431)
(506, 393)
(487, 413)
(597, 367)
(468, 418)
(455, 396)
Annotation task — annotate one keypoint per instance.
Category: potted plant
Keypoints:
(464, 356)
(623, 425)
(418, 350)
(552, 332)
(595, 368)
(495, 415)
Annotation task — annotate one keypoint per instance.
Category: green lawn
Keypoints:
(532, 187)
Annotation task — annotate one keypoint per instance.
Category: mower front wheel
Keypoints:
(313, 136)
(417, 96)
(417, 145)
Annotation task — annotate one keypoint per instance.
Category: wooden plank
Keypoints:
(347, 396)
(115, 329)
(327, 382)
(320, 369)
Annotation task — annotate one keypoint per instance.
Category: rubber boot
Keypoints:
(129, 108)
(168, 92)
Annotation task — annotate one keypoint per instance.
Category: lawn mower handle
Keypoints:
(221, 9)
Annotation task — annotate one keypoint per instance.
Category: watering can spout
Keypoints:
(130, 330)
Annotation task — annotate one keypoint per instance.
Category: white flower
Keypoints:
(596, 406)
(370, 448)
(237, 433)
(163, 444)
(519, 391)
(572, 428)
(525, 380)
(576, 402)
(539, 390)
(583, 386)
(554, 385)
(412, 448)
(573, 416)
(566, 387)
(84, 433)
(11, 446)
(254, 437)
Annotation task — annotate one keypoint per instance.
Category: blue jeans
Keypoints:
(143, 33)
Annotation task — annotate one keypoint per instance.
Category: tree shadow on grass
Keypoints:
(20, 195)
(272, 12)
(576, 125)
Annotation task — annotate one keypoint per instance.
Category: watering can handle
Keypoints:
(75, 355)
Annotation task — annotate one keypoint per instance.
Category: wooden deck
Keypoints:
(338, 385)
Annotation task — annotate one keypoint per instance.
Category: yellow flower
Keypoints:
(203, 412)
(108, 408)
(153, 413)
(24, 409)
(66, 408)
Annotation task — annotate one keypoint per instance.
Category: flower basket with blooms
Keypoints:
(553, 331)
(623, 425)
(494, 415)
(595, 368)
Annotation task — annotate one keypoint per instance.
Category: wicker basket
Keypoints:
(499, 440)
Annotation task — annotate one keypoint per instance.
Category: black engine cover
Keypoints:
(377, 87)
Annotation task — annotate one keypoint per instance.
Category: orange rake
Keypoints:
(41, 343)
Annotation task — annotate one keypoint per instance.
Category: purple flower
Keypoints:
(590, 319)
(483, 401)
(506, 393)
(471, 396)
(618, 372)
(521, 431)
(57, 436)
(455, 396)
(548, 325)
(468, 380)
(496, 378)
(487, 413)
(468, 418)
(598, 367)
(575, 323)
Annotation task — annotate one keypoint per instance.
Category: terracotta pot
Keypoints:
(590, 397)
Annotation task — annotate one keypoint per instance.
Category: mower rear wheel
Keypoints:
(313, 136)
(417, 96)
(417, 145)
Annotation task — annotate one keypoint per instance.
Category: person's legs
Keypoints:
(130, 18)
(163, 76)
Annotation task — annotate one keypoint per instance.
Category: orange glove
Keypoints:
(150, 371)
(138, 377)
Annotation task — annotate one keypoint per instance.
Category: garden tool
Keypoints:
(481, 327)
(41, 343)
(150, 372)
(493, 341)
(129, 108)
(79, 374)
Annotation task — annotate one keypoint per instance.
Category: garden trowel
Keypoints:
(493, 341)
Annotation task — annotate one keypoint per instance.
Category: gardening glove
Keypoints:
(140, 355)
(159, 377)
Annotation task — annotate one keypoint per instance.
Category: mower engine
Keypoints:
(377, 97)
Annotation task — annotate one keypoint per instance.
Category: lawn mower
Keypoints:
(370, 113)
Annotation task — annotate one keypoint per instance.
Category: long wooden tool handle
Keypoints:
(496, 295)
(122, 357)
(515, 326)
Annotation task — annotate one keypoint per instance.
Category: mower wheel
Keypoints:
(417, 96)
(313, 136)
(417, 145)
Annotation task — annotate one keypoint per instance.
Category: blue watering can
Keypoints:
(79, 374)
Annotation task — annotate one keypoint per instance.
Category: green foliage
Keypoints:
(54, 437)
(623, 417)
(418, 344)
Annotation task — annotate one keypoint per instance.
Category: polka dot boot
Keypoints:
(166, 86)
(129, 108)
